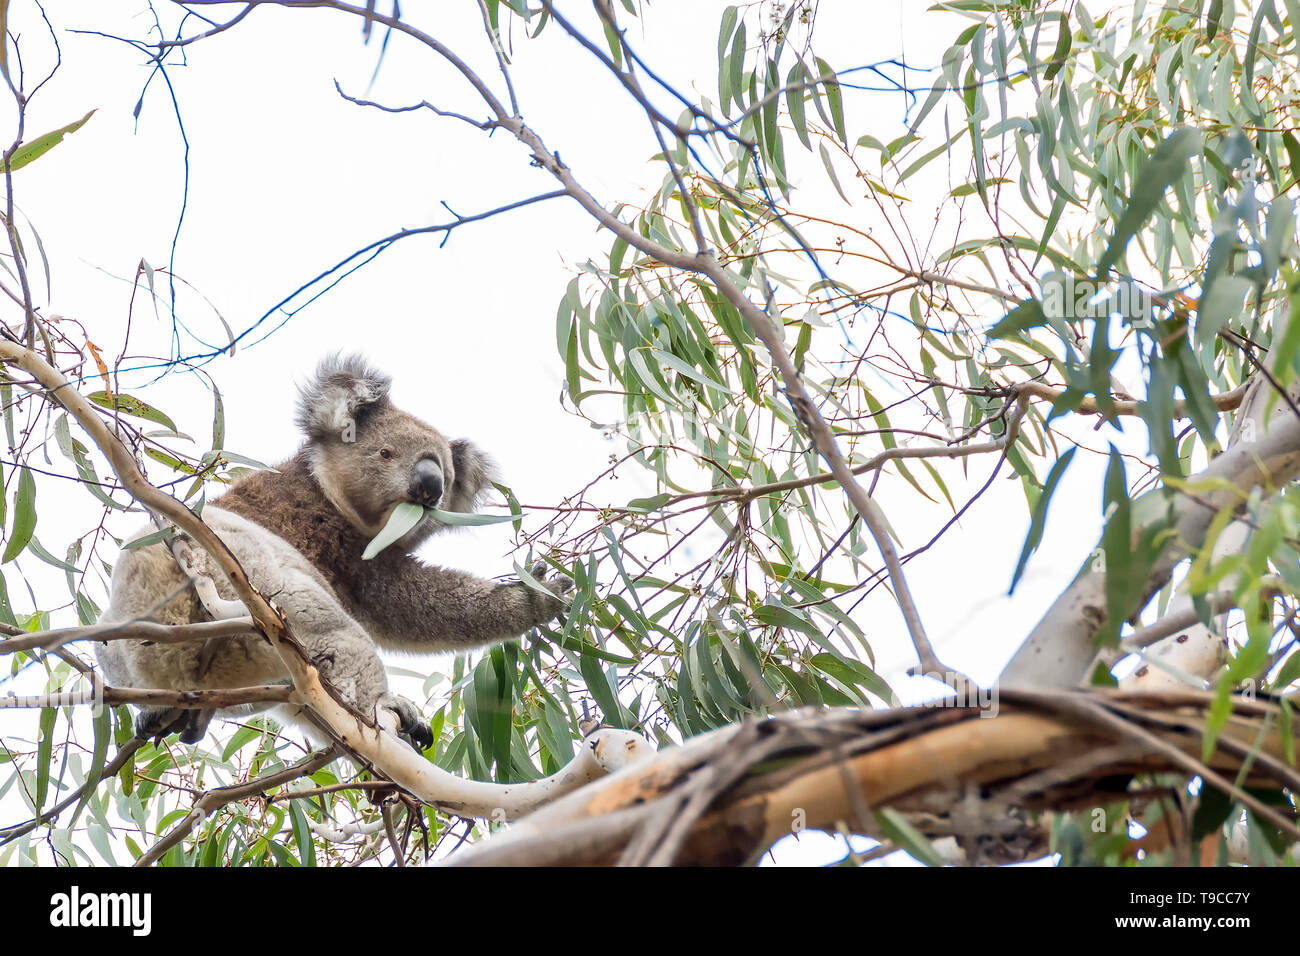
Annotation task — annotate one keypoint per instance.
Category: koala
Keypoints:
(299, 532)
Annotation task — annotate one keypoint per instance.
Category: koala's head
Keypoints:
(369, 456)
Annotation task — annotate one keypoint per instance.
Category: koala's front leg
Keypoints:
(407, 605)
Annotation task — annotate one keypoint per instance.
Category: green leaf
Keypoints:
(129, 405)
(4, 33)
(213, 846)
(1062, 51)
(36, 548)
(77, 454)
(830, 171)
(218, 420)
(771, 145)
(1118, 547)
(1166, 165)
(652, 503)
(38, 147)
(554, 732)
(794, 97)
(102, 725)
(895, 828)
(1212, 19)
(144, 541)
(1292, 146)
(527, 579)
(1025, 316)
(44, 751)
(404, 517)
(736, 65)
(1248, 63)
(516, 511)
(1035, 536)
(24, 516)
(729, 20)
(244, 735)
(831, 87)
(302, 834)
(614, 41)
(1288, 673)
(489, 709)
(1212, 810)
(235, 458)
(6, 611)
(682, 368)
(729, 17)
(467, 519)
(1221, 304)
(602, 691)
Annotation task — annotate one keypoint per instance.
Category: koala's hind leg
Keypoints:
(347, 660)
(344, 654)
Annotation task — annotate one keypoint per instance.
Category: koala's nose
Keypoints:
(426, 482)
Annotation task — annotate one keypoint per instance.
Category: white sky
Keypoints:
(286, 179)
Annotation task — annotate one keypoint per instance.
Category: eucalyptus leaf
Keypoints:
(28, 152)
(24, 516)
(129, 405)
(467, 519)
(404, 517)
(1169, 161)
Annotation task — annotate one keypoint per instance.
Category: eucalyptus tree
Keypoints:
(811, 335)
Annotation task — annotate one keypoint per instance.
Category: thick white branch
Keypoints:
(1059, 649)
(1196, 653)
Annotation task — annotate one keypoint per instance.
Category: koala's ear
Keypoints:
(474, 472)
(339, 395)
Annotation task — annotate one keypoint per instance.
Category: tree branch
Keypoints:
(111, 769)
(215, 799)
(156, 697)
(134, 630)
(920, 761)
(1224, 401)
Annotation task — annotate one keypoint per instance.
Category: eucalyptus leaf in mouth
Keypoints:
(404, 517)
(408, 514)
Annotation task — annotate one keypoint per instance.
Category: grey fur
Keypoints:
(299, 533)
(335, 395)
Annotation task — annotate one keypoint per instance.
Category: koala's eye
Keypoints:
(385, 454)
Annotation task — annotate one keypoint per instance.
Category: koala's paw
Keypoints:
(155, 723)
(411, 725)
(191, 724)
(544, 608)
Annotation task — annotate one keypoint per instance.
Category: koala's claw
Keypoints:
(411, 725)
